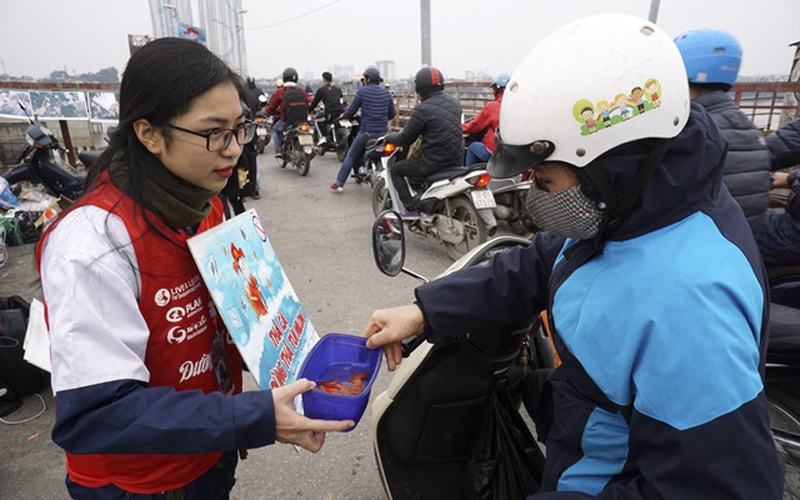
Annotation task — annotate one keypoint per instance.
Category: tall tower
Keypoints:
(166, 14)
(224, 24)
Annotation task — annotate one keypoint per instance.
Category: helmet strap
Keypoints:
(637, 187)
(632, 195)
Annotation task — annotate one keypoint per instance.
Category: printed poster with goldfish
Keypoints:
(254, 298)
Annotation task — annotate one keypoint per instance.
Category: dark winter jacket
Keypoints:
(331, 97)
(659, 394)
(784, 149)
(438, 120)
(377, 108)
(747, 167)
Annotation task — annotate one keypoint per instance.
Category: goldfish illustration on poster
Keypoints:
(254, 298)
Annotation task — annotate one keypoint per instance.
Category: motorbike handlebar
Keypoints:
(408, 345)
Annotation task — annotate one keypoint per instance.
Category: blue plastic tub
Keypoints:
(337, 357)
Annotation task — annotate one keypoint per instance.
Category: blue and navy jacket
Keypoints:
(784, 149)
(662, 335)
(377, 108)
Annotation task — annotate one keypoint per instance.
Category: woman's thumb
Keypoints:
(298, 387)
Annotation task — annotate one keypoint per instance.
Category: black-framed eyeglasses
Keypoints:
(220, 138)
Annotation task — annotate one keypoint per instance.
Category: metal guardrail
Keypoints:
(768, 104)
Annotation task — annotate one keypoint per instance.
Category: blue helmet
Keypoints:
(710, 56)
(501, 81)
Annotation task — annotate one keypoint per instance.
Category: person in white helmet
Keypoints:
(656, 294)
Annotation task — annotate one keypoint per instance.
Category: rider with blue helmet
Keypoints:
(712, 59)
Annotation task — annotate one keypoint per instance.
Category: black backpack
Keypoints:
(295, 106)
(17, 376)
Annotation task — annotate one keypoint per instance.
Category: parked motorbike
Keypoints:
(337, 136)
(455, 205)
(431, 417)
(426, 420)
(44, 162)
(298, 147)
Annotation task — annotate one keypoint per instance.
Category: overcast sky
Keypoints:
(39, 36)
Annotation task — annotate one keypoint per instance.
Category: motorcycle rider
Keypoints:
(712, 59)
(486, 122)
(290, 103)
(438, 120)
(331, 97)
(659, 393)
(377, 108)
(779, 238)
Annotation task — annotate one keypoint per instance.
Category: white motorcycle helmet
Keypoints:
(590, 86)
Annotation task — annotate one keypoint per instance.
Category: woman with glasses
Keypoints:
(148, 383)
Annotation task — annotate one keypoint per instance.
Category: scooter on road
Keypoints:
(428, 423)
(455, 204)
(298, 147)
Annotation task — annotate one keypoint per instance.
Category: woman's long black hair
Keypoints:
(159, 83)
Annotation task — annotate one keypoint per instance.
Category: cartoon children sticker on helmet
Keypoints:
(584, 111)
(653, 89)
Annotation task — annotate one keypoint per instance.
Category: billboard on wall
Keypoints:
(192, 33)
(60, 105)
(9, 103)
(104, 106)
(96, 106)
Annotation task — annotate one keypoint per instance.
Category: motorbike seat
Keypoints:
(447, 173)
(784, 335)
(370, 143)
(780, 271)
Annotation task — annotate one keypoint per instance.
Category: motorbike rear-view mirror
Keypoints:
(389, 245)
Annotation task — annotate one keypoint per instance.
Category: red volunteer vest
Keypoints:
(183, 322)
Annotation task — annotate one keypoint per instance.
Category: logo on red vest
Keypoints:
(163, 297)
(190, 369)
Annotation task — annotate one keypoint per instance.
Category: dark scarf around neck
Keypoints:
(179, 204)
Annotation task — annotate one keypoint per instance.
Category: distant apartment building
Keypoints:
(387, 69)
(224, 27)
(221, 20)
(166, 14)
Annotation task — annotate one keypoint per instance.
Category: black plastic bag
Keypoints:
(17, 376)
(504, 460)
(23, 230)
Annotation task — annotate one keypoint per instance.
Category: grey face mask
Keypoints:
(568, 213)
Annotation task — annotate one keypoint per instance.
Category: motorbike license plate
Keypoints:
(262, 132)
(483, 198)
(305, 140)
(345, 123)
